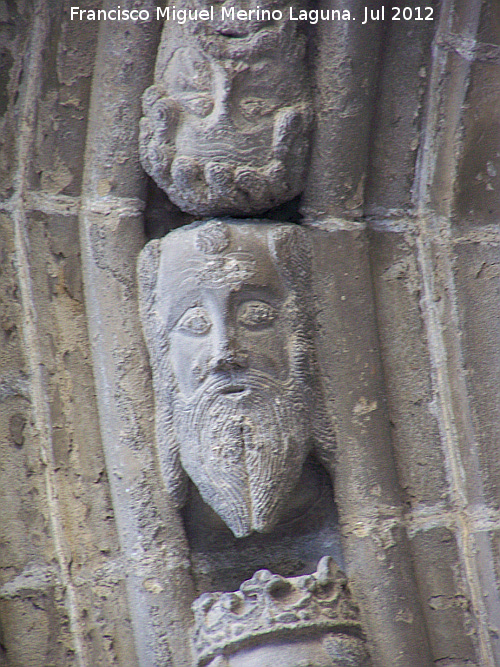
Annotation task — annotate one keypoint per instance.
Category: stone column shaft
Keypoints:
(111, 232)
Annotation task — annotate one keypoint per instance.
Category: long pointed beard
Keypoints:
(244, 451)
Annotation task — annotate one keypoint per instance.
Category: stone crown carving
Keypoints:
(268, 605)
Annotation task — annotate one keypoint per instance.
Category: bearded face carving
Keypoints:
(226, 123)
(238, 408)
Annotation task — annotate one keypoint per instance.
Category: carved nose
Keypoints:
(228, 359)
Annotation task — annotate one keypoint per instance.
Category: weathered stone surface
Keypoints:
(151, 536)
(227, 122)
(58, 538)
(445, 600)
(414, 426)
(226, 319)
(399, 117)
(366, 485)
(444, 225)
(345, 62)
(302, 620)
(414, 117)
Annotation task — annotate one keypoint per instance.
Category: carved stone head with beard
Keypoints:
(226, 312)
(227, 122)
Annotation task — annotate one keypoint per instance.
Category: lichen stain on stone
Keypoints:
(404, 269)
(57, 179)
(103, 187)
(488, 271)
(364, 406)
(405, 616)
(153, 586)
(357, 200)
(441, 602)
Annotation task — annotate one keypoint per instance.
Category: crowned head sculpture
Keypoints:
(226, 311)
(226, 123)
(271, 620)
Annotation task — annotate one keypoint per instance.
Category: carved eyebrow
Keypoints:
(267, 293)
(171, 309)
(178, 277)
(192, 263)
(177, 312)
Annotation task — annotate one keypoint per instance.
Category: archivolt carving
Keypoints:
(225, 309)
(226, 124)
(227, 313)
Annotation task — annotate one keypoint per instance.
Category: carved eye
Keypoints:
(195, 321)
(256, 314)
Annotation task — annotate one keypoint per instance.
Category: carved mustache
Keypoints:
(209, 180)
(199, 186)
(205, 183)
(248, 385)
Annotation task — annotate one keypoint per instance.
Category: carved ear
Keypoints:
(291, 250)
(291, 124)
(147, 276)
(161, 111)
(156, 137)
(173, 474)
(174, 477)
(325, 444)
